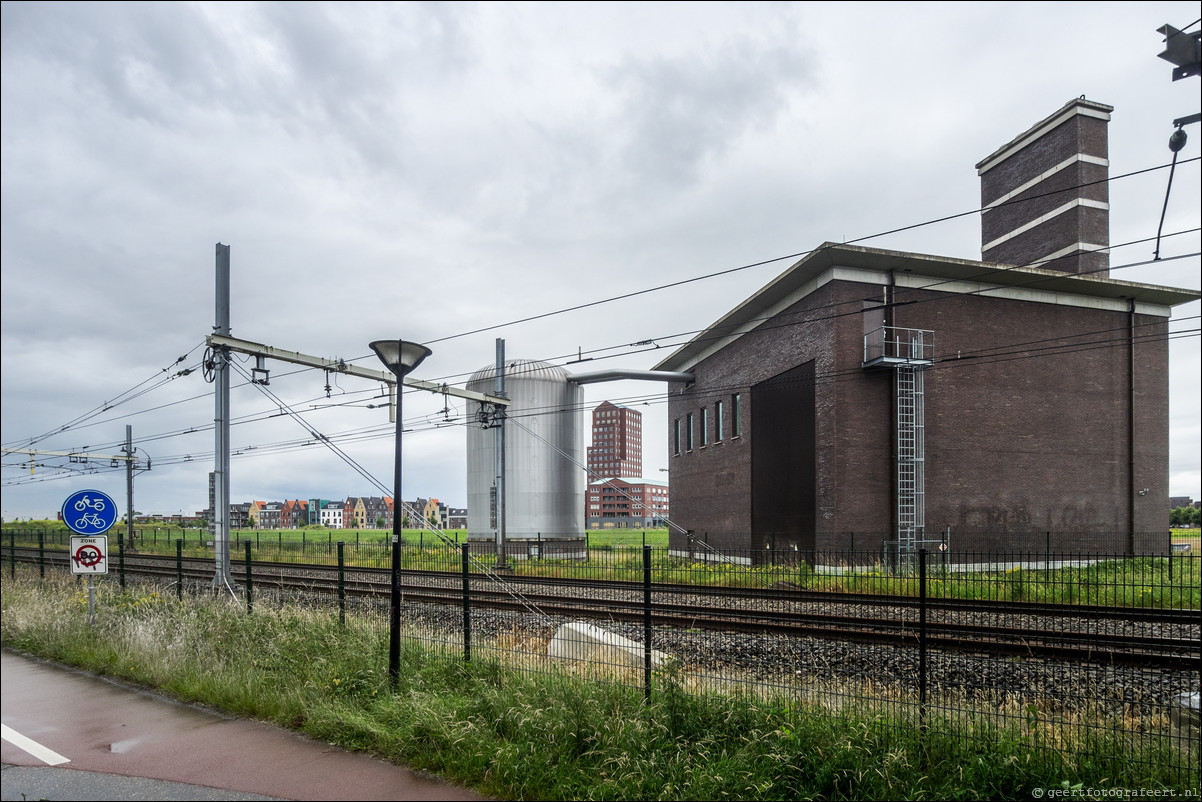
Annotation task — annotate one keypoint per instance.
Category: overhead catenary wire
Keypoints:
(132, 393)
(77, 423)
(710, 275)
(797, 255)
(1017, 351)
(619, 491)
(400, 505)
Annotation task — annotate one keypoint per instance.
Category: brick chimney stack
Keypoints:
(1045, 196)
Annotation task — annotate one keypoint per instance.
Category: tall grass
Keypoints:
(548, 735)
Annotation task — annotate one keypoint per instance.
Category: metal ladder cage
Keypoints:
(908, 352)
(911, 460)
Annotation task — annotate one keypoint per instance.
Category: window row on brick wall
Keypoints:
(712, 423)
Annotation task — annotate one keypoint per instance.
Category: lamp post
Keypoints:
(401, 358)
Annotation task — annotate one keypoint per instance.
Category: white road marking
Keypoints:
(47, 756)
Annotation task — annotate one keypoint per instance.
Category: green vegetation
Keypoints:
(1174, 581)
(551, 734)
(1185, 517)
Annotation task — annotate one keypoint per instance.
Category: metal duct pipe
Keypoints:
(618, 374)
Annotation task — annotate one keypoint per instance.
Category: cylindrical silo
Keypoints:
(544, 457)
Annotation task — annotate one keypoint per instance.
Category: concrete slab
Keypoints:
(590, 643)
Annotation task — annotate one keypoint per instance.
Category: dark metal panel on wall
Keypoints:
(783, 460)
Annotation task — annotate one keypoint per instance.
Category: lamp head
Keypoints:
(400, 356)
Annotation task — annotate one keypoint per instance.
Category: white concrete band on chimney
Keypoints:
(1073, 204)
(1076, 247)
(1069, 162)
(1041, 131)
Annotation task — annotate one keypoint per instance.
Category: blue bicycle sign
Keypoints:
(89, 512)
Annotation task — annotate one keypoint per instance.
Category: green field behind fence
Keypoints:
(1170, 581)
(164, 536)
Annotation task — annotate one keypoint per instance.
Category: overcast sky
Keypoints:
(428, 170)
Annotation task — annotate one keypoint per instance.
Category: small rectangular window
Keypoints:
(736, 423)
(705, 429)
(689, 432)
(676, 436)
(718, 430)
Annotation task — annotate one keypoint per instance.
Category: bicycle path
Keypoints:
(85, 737)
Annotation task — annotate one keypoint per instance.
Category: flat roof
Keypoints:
(629, 481)
(833, 261)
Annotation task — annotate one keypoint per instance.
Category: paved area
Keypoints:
(71, 735)
(22, 783)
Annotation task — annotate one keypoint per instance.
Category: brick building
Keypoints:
(617, 437)
(271, 515)
(875, 396)
(631, 503)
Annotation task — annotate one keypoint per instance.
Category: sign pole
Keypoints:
(89, 513)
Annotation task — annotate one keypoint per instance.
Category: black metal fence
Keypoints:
(1082, 655)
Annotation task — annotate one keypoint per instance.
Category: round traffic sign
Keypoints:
(89, 512)
(89, 556)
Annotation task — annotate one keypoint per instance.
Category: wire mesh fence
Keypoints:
(1085, 656)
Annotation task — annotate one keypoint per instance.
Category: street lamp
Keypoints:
(400, 357)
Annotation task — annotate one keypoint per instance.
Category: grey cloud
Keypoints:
(684, 111)
(355, 69)
(136, 57)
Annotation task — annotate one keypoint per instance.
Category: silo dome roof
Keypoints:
(523, 369)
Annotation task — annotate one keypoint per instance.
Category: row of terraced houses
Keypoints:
(355, 512)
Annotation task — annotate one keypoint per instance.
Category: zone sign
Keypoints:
(89, 554)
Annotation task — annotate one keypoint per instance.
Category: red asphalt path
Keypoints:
(102, 726)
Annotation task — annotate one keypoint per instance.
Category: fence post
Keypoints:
(179, 569)
(1170, 564)
(922, 642)
(341, 584)
(467, 613)
(42, 554)
(249, 593)
(647, 623)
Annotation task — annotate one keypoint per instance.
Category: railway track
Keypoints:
(1100, 635)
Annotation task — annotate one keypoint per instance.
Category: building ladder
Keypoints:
(911, 459)
(908, 352)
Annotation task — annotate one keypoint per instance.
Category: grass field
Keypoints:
(167, 535)
(616, 554)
